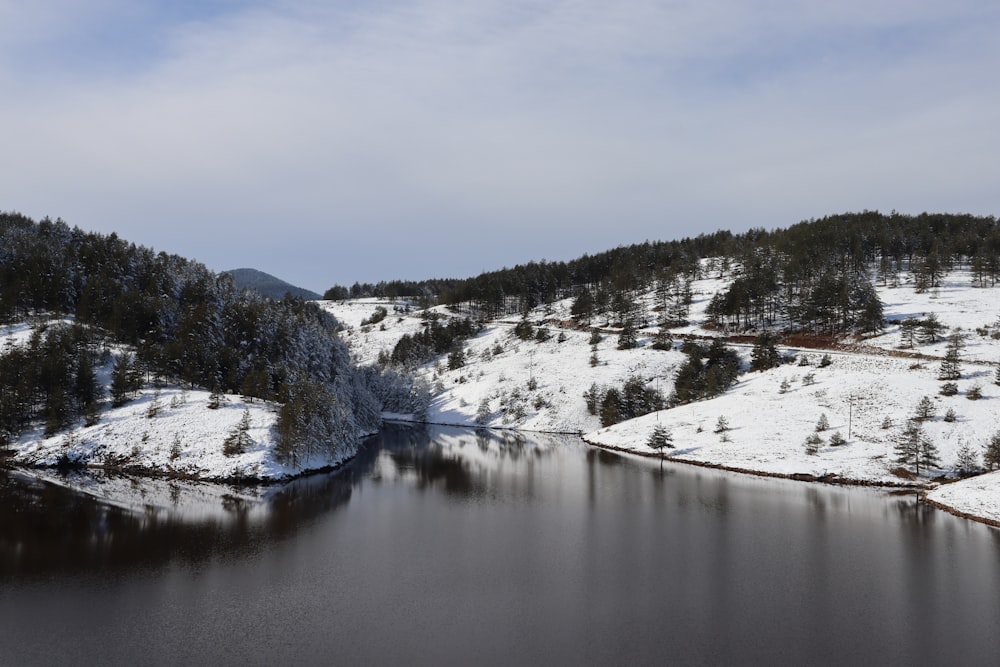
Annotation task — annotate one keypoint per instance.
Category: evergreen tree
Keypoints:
(991, 456)
(660, 438)
(930, 329)
(628, 338)
(124, 380)
(966, 461)
(721, 424)
(822, 424)
(238, 440)
(914, 448)
(925, 409)
(611, 407)
(764, 355)
(951, 364)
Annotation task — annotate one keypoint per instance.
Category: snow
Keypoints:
(868, 381)
(976, 497)
(184, 439)
(538, 386)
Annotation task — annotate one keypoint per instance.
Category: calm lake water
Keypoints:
(442, 546)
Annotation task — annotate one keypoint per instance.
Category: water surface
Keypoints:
(445, 546)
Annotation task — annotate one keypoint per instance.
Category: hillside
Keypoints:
(103, 342)
(268, 285)
(868, 391)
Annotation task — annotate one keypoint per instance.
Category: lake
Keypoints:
(447, 546)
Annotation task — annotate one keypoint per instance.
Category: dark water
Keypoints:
(442, 547)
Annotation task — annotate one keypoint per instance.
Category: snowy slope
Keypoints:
(869, 381)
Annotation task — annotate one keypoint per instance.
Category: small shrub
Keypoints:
(823, 423)
(562, 337)
(836, 439)
(532, 384)
(825, 361)
(813, 443)
(595, 337)
(974, 393)
(721, 425)
(887, 423)
(809, 379)
(948, 389)
(784, 386)
(950, 416)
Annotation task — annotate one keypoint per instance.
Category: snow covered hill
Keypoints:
(867, 392)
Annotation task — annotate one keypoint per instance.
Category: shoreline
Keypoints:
(833, 479)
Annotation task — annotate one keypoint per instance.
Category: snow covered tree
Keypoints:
(837, 439)
(813, 443)
(721, 425)
(950, 415)
(484, 413)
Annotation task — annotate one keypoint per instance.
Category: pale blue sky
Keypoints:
(329, 142)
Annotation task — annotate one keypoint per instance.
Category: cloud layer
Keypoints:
(436, 138)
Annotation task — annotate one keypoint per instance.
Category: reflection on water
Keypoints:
(93, 519)
(452, 546)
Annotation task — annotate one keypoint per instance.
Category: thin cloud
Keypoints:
(548, 128)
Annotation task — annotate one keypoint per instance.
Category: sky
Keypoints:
(331, 142)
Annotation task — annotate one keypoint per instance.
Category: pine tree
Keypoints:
(930, 329)
(966, 461)
(925, 409)
(122, 380)
(238, 440)
(660, 438)
(628, 338)
(483, 413)
(823, 423)
(764, 355)
(813, 443)
(721, 425)
(951, 364)
(991, 456)
(611, 407)
(915, 449)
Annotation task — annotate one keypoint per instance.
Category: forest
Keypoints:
(816, 275)
(185, 323)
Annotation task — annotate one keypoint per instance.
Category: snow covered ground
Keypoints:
(170, 431)
(528, 385)
(871, 383)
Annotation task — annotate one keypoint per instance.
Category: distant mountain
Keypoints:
(268, 285)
